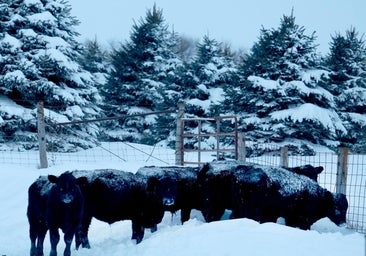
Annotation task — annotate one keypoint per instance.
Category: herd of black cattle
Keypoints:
(70, 201)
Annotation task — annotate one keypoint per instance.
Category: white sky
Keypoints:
(235, 21)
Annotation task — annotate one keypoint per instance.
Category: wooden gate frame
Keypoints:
(217, 134)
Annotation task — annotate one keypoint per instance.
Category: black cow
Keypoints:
(300, 200)
(307, 170)
(250, 189)
(53, 203)
(231, 185)
(265, 194)
(215, 181)
(178, 186)
(113, 195)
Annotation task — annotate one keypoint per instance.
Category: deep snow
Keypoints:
(226, 237)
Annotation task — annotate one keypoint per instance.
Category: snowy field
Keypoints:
(227, 237)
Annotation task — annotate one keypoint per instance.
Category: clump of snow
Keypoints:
(216, 95)
(204, 104)
(303, 88)
(33, 2)
(74, 111)
(328, 118)
(12, 42)
(55, 117)
(28, 32)
(10, 108)
(358, 118)
(313, 75)
(264, 84)
(46, 17)
(15, 75)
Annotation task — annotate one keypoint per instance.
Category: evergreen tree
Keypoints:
(211, 71)
(347, 80)
(282, 53)
(214, 65)
(93, 57)
(186, 48)
(279, 99)
(142, 68)
(346, 61)
(39, 62)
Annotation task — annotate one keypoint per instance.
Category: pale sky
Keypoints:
(235, 21)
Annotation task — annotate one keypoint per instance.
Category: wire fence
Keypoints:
(116, 153)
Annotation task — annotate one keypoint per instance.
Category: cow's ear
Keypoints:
(52, 178)
(203, 171)
(319, 169)
(82, 180)
(152, 184)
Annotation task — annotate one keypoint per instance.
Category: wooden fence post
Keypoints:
(41, 135)
(284, 157)
(179, 157)
(242, 151)
(342, 169)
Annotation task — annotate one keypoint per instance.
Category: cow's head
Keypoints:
(66, 186)
(338, 212)
(309, 171)
(153, 209)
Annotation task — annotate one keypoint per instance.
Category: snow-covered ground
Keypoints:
(226, 237)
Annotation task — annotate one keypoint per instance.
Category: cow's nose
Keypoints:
(168, 201)
(67, 199)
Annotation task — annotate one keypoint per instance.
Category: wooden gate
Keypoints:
(200, 135)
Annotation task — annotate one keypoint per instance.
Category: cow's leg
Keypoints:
(81, 235)
(37, 233)
(54, 239)
(185, 214)
(213, 214)
(137, 231)
(154, 228)
(33, 235)
(41, 236)
(68, 240)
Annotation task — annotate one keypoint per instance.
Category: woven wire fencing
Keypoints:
(114, 154)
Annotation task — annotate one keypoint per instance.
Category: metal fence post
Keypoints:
(179, 155)
(41, 135)
(342, 169)
(284, 157)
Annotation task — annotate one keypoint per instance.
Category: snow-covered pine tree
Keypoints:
(39, 62)
(172, 92)
(211, 71)
(142, 69)
(347, 80)
(93, 57)
(186, 48)
(281, 101)
(282, 53)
